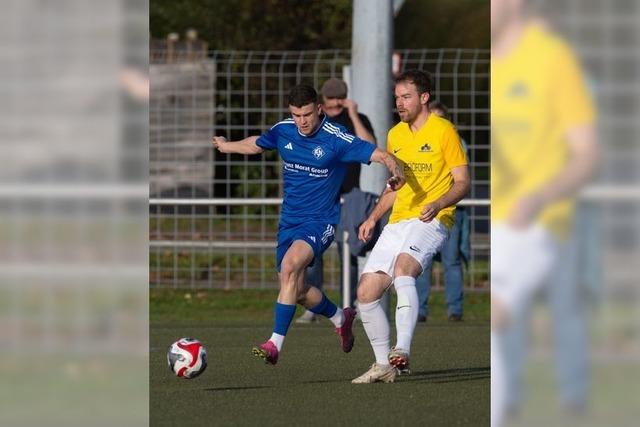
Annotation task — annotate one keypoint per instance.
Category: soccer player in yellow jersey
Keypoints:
(437, 177)
(543, 150)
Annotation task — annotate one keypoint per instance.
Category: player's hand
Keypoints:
(366, 230)
(430, 211)
(395, 183)
(525, 211)
(350, 105)
(219, 143)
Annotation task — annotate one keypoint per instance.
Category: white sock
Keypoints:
(376, 326)
(278, 340)
(406, 310)
(338, 318)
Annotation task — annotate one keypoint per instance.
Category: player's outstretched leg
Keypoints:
(270, 349)
(296, 258)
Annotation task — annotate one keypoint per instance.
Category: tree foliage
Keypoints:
(318, 24)
(257, 24)
(443, 23)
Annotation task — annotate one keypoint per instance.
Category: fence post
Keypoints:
(346, 271)
(371, 70)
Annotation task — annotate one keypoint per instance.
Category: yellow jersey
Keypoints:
(537, 94)
(427, 157)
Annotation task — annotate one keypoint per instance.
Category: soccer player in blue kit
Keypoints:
(314, 156)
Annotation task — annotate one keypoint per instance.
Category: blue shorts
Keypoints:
(318, 235)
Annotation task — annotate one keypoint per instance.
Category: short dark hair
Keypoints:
(438, 105)
(422, 80)
(301, 95)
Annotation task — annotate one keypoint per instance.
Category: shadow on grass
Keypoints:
(447, 375)
(236, 388)
(441, 376)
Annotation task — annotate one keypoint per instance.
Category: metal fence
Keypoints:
(228, 242)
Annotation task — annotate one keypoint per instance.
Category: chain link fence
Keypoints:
(230, 243)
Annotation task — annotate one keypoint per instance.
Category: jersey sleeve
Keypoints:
(358, 150)
(452, 150)
(269, 139)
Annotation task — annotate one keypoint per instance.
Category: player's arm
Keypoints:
(358, 126)
(388, 196)
(393, 165)
(245, 146)
(580, 168)
(459, 189)
(385, 202)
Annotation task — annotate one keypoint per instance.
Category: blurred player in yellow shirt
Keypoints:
(543, 150)
(437, 177)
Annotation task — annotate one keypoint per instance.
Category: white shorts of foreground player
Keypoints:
(421, 240)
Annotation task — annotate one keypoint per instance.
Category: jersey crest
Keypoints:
(318, 152)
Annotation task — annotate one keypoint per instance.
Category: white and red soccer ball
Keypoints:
(187, 358)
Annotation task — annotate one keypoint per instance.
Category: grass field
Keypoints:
(311, 383)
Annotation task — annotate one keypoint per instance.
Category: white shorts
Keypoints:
(521, 262)
(421, 240)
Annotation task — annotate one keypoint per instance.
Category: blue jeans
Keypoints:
(453, 279)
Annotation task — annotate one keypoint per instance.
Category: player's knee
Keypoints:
(292, 264)
(285, 269)
(288, 270)
(366, 292)
(362, 295)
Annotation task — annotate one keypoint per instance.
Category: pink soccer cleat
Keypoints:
(267, 351)
(346, 330)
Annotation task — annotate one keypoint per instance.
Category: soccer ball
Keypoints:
(187, 358)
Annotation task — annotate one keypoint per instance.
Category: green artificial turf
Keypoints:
(310, 385)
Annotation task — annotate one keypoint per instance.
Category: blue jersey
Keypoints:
(314, 167)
